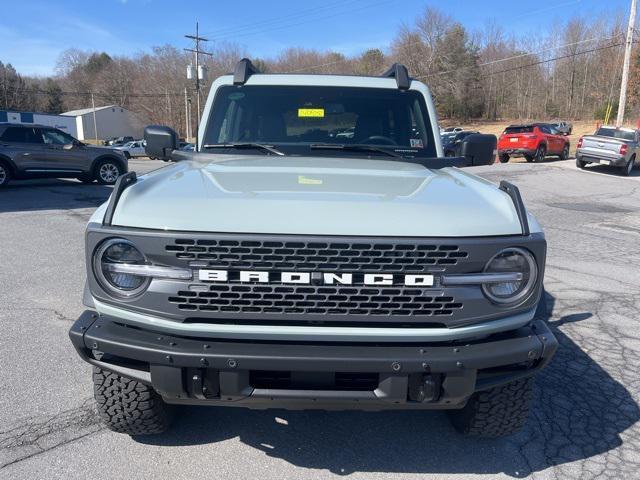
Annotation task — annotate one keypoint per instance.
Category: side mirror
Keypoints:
(479, 149)
(160, 141)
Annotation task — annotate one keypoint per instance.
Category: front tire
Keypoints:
(496, 412)
(580, 164)
(107, 172)
(504, 158)
(128, 406)
(5, 174)
(565, 152)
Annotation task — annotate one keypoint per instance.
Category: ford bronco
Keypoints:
(316, 251)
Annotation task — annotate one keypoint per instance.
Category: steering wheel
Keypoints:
(379, 140)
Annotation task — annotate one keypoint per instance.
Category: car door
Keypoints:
(25, 147)
(558, 139)
(64, 153)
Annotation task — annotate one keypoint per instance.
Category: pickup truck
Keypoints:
(613, 146)
(533, 141)
(282, 266)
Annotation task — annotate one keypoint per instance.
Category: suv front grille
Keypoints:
(317, 256)
(316, 300)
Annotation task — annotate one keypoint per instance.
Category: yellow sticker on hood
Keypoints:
(311, 112)
(302, 180)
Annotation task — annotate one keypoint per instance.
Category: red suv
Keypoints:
(533, 142)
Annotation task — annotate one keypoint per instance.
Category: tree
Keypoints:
(55, 104)
(371, 62)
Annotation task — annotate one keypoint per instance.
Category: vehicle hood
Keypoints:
(315, 196)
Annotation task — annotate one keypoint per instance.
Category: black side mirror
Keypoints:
(479, 149)
(161, 141)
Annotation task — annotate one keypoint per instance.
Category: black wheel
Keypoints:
(497, 412)
(128, 406)
(504, 158)
(528, 158)
(5, 174)
(580, 164)
(107, 172)
(565, 152)
(541, 152)
(628, 168)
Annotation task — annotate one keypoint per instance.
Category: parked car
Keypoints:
(609, 146)
(133, 149)
(533, 141)
(188, 147)
(278, 266)
(36, 151)
(118, 141)
(451, 142)
(564, 128)
(451, 130)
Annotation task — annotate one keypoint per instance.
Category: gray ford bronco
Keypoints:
(316, 251)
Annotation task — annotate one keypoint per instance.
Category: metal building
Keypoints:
(111, 121)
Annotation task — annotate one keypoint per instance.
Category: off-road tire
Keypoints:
(565, 153)
(504, 158)
(128, 406)
(496, 412)
(116, 171)
(580, 164)
(5, 174)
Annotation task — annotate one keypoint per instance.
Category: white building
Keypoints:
(111, 121)
(66, 124)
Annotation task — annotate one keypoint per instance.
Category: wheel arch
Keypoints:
(13, 169)
(108, 156)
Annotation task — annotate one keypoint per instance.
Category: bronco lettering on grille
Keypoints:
(253, 276)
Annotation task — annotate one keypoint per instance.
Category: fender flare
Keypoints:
(12, 166)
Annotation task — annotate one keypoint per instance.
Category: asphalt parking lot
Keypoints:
(584, 422)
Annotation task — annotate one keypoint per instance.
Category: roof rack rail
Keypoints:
(513, 191)
(401, 74)
(244, 69)
(122, 183)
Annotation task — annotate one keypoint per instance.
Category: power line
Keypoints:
(270, 21)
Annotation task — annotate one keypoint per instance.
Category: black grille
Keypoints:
(316, 300)
(317, 256)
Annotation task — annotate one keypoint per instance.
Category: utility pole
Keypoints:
(625, 65)
(199, 72)
(95, 123)
(187, 116)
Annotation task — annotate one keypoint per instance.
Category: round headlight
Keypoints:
(511, 260)
(113, 252)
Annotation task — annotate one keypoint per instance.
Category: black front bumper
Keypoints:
(322, 376)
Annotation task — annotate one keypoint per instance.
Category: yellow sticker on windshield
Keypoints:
(302, 180)
(311, 112)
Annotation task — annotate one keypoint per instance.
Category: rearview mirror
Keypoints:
(160, 141)
(479, 149)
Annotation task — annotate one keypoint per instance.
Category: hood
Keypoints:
(315, 196)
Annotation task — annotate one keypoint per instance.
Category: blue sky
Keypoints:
(33, 33)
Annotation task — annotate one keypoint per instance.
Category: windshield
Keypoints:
(518, 129)
(614, 133)
(295, 118)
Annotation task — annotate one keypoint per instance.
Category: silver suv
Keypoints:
(37, 151)
(285, 265)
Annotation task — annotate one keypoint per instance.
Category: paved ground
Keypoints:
(584, 424)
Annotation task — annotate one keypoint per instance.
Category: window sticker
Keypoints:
(416, 143)
(302, 180)
(311, 112)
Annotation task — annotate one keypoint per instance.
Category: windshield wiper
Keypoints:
(260, 146)
(353, 148)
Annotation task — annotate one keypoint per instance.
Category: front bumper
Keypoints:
(303, 375)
